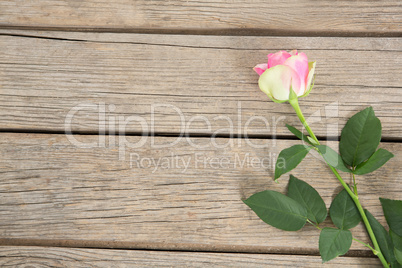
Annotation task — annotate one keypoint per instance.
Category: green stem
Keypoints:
(354, 184)
(377, 250)
(316, 225)
(295, 104)
(366, 245)
(296, 107)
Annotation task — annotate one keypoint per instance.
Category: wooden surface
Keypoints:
(67, 257)
(46, 78)
(158, 72)
(279, 17)
(53, 190)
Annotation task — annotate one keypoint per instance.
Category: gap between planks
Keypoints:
(165, 246)
(178, 135)
(212, 32)
(360, 18)
(79, 257)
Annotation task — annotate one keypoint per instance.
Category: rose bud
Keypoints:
(283, 72)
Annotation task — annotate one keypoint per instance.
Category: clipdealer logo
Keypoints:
(113, 127)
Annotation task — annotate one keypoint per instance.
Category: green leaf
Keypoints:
(395, 264)
(333, 243)
(398, 256)
(396, 239)
(343, 211)
(332, 158)
(298, 133)
(278, 210)
(360, 137)
(289, 158)
(382, 236)
(377, 160)
(393, 214)
(306, 195)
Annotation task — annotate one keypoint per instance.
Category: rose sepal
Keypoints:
(292, 94)
(277, 101)
(311, 71)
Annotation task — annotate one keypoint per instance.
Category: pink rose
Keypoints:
(284, 71)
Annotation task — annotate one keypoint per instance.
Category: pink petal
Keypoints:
(299, 64)
(293, 52)
(260, 68)
(297, 84)
(277, 58)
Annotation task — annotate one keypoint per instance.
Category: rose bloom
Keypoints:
(284, 71)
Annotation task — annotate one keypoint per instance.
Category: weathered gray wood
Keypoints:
(80, 257)
(42, 79)
(51, 189)
(357, 17)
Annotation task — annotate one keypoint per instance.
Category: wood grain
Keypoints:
(79, 257)
(51, 189)
(352, 17)
(44, 76)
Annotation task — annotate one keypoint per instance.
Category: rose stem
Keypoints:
(295, 104)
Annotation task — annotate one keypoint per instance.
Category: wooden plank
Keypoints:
(353, 17)
(82, 257)
(163, 196)
(44, 78)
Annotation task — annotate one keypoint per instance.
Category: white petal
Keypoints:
(275, 82)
